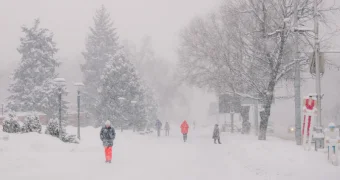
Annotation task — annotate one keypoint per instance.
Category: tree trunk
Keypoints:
(264, 115)
(245, 119)
(263, 125)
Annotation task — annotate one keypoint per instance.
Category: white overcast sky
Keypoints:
(70, 19)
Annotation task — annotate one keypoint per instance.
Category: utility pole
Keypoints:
(317, 62)
(60, 125)
(232, 117)
(256, 117)
(297, 79)
(78, 102)
(60, 82)
(232, 121)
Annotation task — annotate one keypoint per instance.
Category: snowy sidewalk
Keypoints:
(34, 157)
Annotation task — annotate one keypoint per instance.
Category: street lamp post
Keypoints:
(134, 117)
(2, 109)
(60, 82)
(317, 62)
(79, 85)
(121, 100)
(231, 117)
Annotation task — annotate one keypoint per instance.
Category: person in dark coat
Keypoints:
(158, 127)
(167, 129)
(216, 134)
(107, 135)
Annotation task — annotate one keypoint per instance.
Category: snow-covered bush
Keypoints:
(31, 124)
(52, 128)
(11, 124)
(70, 138)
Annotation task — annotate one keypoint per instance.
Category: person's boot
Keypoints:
(109, 161)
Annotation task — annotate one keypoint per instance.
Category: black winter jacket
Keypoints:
(107, 135)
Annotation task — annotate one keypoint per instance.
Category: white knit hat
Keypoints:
(331, 125)
(107, 123)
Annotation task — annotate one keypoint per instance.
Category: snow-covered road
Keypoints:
(33, 157)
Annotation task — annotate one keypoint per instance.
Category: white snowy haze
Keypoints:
(159, 38)
(70, 22)
(162, 20)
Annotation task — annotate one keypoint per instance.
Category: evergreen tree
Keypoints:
(101, 47)
(144, 61)
(120, 79)
(32, 87)
(159, 76)
(150, 103)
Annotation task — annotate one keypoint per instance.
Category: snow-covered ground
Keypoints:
(240, 157)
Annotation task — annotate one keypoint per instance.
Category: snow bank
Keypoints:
(239, 157)
(32, 142)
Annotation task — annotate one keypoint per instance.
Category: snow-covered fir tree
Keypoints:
(159, 75)
(32, 87)
(119, 79)
(48, 97)
(101, 46)
(150, 103)
(148, 88)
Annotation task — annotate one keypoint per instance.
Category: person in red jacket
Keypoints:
(184, 130)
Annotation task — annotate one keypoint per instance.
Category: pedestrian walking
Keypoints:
(158, 127)
(167, 129)
(184, 130)
(332, 139)
(107, 135)
(216, 134)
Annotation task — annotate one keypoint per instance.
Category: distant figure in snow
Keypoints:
(167, 129)
(216, 134)
(107, 135)
(158, 127)
(332, 139)
(194, 124)
(184, 130)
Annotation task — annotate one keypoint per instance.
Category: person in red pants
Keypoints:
(107, 135)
